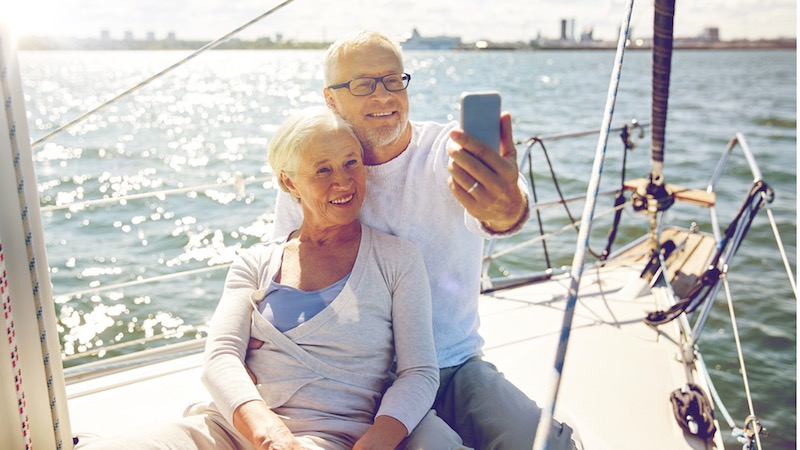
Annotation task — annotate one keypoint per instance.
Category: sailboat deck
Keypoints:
(610, 347)
(138, 396)
(613, 358)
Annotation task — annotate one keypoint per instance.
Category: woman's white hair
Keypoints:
(294, 135)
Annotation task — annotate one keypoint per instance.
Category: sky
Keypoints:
(325, 20)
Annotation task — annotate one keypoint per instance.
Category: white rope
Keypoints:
(32, 261)
(546, 419)
(781, 248)
(740, 354)
(22, 405)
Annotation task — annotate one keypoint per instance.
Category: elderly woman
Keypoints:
(334, 302)
(333, 307)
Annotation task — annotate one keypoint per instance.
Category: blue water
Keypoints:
(211, 119)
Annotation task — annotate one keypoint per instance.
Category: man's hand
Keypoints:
(385, 434)
(254, 344)
(485, 181)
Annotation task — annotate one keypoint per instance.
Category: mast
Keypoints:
(653, 196)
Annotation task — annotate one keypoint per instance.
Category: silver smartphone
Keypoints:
(480, 116)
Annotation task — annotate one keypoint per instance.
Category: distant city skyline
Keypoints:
(322, 20)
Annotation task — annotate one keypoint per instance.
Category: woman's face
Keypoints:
(330, 181)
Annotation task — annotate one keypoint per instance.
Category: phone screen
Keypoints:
(480, 116)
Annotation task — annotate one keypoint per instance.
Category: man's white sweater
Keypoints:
(409, 197)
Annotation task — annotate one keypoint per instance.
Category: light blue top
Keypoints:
(286, 307)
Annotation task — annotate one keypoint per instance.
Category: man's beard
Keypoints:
(374, 138)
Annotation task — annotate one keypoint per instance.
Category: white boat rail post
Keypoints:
(29, 290)
(545, 421)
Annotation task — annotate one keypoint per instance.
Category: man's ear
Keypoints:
(328, 93)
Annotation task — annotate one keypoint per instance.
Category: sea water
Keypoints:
(209, 121)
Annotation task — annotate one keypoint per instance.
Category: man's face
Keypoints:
(378, 119)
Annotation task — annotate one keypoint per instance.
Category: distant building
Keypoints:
(417, 42)
(568, 35)
(586, 36)
(711, 34)
(105, 35)
(151, 36)
(171, 36)
(129, 35)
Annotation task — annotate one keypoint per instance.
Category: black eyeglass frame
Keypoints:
(404, 76)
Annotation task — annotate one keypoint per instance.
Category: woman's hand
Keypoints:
(277, 438)
(263, 428)
(386, 433)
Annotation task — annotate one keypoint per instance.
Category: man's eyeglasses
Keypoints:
(366, 86)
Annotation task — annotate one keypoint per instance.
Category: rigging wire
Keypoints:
(546, 418)
(536, 197)
(628, 145)
(619, 200)
(585, 133)
(211, 45)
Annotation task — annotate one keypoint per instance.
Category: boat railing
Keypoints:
(238, 183)
(761, 195)
(75, 360)
(124, 362)
(630, 133)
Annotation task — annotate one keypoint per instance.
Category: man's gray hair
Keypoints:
(353, 41)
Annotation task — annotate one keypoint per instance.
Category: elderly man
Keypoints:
(446, 192)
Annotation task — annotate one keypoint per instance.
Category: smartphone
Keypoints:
(480, 116)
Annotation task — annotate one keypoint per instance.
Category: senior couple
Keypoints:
(357, 325)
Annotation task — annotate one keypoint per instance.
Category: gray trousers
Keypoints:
(489, 412)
